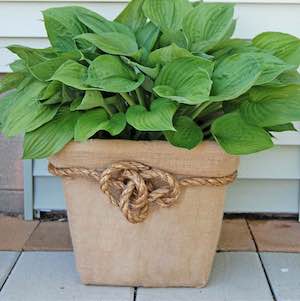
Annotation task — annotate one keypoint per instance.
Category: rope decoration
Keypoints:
(135, 187)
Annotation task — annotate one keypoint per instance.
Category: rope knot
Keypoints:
(134, 187)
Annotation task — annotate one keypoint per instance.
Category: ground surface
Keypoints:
(257, 260)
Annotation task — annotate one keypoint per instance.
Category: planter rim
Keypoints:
(207, 159)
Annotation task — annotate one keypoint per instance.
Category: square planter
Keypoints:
(173, 246)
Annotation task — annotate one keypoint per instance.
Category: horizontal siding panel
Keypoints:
(282, 162)
(263, 196)
(266, 196)
(252, 18)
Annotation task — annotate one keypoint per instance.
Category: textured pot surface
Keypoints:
(173, 246)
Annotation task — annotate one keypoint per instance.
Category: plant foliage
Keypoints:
(162, 70)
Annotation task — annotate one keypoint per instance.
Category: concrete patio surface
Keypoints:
(257, 260)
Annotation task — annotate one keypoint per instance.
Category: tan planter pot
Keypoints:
(173, 246)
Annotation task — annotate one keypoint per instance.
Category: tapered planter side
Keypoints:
(174, 246)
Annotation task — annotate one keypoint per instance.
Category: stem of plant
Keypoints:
(107, 109)
(128, 99)
(200, 108)
(206, 124)
(140, 96)
(210, 109)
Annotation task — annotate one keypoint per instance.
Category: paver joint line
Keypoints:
(11, 271)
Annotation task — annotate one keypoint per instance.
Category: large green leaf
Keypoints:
(72, 74)
(158, 118)
(151, 72)
(32, 56)
(99, 24)
(234, 75)
(207, 24)
(6, 103)
(97, 120)
(271, 67)
(27, 113)
(43, 114)
(62, 26)
(18, 66)
(112, 42)
(92, 99)
(147, 36)
(282, 45)
(167, 54)
(133, 15)
(173, 37)
(232, 46)
(282, 128)
(184, 80)
(269, 106)
(109, 73)
(187, 135)
(49, 139)
(44, 70)
(285, 79)
(11, 81)
(53, 88)
(238, 137)
(167, 14)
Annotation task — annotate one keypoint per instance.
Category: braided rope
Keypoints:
(134, 187)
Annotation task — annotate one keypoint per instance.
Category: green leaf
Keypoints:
(188, 134)
(11, 81)
(99, 24)
(27, 113)
(167, 54)
(45, 70)
(133, 15)
(49, 139)
(167, 14)
(96, 120)
(42, 115)
(109, 73)
(147, 36)
(282, 128)
(72, 74)
(271, 67)
(234, 75)
(6, 103)
(151, 72)
(18, 66)
(238, 137)
(285, 79)
(92, 99)
(63, 26)
(207, 24)
(52, 89)
(32, 56)
(282, 45)
(173, 37)
(269, 106)
(112, 42)
(232, 46)
(42, 63)
(184, 80)
(159, 118)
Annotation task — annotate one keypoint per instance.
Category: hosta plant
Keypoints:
(162, 70)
